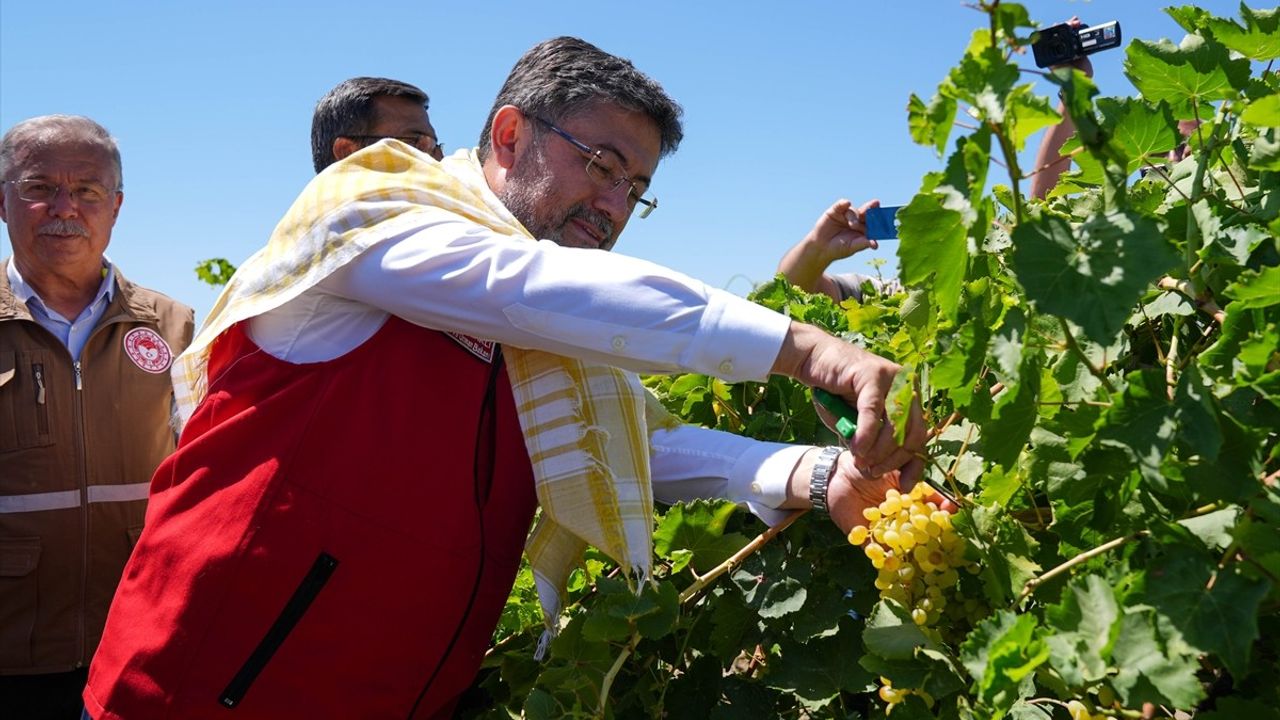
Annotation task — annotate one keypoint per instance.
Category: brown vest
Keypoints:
(78, 444)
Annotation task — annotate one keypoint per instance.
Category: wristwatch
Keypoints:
(822, 469)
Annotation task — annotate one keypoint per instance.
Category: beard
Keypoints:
(528, 195)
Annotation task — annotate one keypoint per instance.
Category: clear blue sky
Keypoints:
(788, 105)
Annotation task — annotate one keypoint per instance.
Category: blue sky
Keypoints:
(788, 106)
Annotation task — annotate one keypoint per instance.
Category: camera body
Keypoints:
(1062, 44)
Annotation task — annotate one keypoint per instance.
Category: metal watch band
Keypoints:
(822, 468)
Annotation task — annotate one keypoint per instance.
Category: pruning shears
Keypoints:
(847, 423)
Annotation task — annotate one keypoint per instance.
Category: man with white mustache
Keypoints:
(85, 401)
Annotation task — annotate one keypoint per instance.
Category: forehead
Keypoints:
(75, 159)
(631, 135)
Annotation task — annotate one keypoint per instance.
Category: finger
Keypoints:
(870, 404)
(912, 472)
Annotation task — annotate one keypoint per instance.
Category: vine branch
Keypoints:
(736, 559)
(1204, 304)
(1036, 582)
(609, 677)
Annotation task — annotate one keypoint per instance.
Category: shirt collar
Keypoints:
(24, 292)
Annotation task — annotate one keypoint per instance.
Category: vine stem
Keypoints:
(610, 676)
(1079, 351)
(1036, 582)
(747, 550)
(1205, 305)
(1171, 364)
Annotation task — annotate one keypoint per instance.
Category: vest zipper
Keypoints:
(293, 611)
(81, 660)
(42, 412)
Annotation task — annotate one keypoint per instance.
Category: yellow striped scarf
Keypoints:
(586, 427)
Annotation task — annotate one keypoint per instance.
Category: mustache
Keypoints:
(596, 219)
(62, 227)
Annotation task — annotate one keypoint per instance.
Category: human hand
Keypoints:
(849, 492)
(1081, 63)
(863, 380)
(840, 232)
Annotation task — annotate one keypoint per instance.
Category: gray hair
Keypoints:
(348, 110)
(561, 77)
(49, 130)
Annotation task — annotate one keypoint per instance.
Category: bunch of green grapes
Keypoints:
(916, 552)
(911, 544)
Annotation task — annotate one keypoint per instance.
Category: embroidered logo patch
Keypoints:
(148, 350)
(482, 349)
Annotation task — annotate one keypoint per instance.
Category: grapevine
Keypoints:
(1102, 372)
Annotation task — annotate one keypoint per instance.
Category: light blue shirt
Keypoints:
(73, 333)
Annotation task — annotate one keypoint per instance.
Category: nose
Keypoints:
(62, 205)
(613, 203)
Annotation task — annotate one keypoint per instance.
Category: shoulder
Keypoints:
(175, 320)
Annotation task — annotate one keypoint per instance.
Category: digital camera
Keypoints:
(1061, 44)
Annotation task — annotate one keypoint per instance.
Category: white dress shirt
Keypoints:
(450, 274)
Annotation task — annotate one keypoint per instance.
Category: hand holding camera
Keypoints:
(1067, 43)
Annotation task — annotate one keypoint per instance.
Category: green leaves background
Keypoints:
(1104, 371)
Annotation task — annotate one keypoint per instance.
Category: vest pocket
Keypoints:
(24, 401)
(293, 611)
(19, 557)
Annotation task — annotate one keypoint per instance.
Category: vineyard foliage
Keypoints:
(1102, 373)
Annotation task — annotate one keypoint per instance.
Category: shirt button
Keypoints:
(619, 342)
(726, 367)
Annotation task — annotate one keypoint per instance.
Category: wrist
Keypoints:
(824, 467)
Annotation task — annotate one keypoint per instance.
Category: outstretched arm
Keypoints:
(1050, 164)
(839, 232)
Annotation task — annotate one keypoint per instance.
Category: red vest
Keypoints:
(330, 540)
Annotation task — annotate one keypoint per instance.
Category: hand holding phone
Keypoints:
(881, 222)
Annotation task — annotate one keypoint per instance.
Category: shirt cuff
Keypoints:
(737, 339)
(759, 478)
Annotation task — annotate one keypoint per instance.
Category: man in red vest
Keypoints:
(342, 521)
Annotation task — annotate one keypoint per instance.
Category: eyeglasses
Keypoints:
(605, 168)
(43, 191)
(422, 141)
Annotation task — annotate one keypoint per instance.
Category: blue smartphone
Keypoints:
(881, 224)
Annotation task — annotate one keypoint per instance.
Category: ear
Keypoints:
(115, 212)
(343, 147)
(4, 216)
(507, 134)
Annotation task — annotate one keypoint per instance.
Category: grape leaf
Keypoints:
(1139, 130)
(1013, 417)
(1141, 420)
(999, 653)
(1026, 114)
(1148, 670)
(892, 635)
(931, 124)
(1264, 112)
(699, 528)
(1196, 71)
(1196, 415)
(1222, 619)
(1085, 627)
(1092, 276)
(933, 249)
(1259, 39)
(817, 671)
(1214, 529)
(1255, 289)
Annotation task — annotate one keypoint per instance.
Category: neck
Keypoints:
(66, 294)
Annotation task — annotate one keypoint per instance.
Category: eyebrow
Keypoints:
(647, 180)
